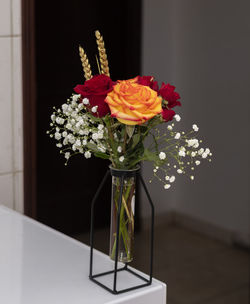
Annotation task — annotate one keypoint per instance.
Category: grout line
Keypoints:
(10, 36)
(12, 105)
(11, 172)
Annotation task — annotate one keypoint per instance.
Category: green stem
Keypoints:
(123, 231)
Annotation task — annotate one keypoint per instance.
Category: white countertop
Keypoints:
(39, 265)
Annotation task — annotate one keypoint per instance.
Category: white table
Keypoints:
(39, 265)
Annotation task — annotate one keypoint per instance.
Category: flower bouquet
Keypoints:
(112, 119)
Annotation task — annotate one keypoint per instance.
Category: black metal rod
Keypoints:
(152, 227)
(103, 286)
(138, 275)
(133, 288)
(118, 230)
(92, 221)
(122, 290)
(106, 273)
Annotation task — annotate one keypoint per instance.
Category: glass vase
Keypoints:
(123, 200)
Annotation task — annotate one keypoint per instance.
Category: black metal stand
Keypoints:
(145, 282)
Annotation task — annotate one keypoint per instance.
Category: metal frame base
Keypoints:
(121, 174)
(114, 291)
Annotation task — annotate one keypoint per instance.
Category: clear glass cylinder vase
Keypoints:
(125, 181)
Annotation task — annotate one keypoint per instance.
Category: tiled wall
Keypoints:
(11, 137)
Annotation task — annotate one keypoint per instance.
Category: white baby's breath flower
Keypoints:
(204, 155)
(58, 136)
(94, 109)
(192, 142)
(182, 153)
(84, 142)
(177, 135)
(170, 128)
(195, 128)
(172, 179)
(162, 155)
(197, 162)
(177, 117)
(78, 142)
(67, 155)
(119, 149)
(101, 148)
(72, 121)
(201, 151)
(87, 154)
(207, 151)
(62, 121)
(167, 177)
(65, 107)
(95, 136)
(75, 97)
(167, 186)
(59, 145)
(80, 106)
(53, 117)
(193, 153)
(179, 171)
(64, 133)
(192, 177)
(100, 127)
(85, 132)
(100, 134)
(85, 101)
(121, 159)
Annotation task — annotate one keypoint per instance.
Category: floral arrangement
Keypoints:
(111, 120)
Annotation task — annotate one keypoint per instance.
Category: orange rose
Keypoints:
(132, 103)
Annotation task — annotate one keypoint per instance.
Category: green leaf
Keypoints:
(130, 130)
(136, 139)
(101, 155)
(150, 156)
(92, 147)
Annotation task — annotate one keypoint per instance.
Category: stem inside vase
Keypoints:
(126, 224)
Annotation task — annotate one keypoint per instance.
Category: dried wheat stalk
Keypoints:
(102, 54)
(85, 64)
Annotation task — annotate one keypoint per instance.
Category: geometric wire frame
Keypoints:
(145, 282)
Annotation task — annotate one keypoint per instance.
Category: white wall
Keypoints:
(157, 52)
(206, 46)
(11, 146)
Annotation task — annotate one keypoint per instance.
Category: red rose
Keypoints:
(96, 90)
(167, 114)
(148, 81)
(167, 92)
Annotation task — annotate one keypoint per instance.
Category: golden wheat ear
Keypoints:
(102, 54)
(85, 64)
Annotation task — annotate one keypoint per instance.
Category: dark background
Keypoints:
(64, 192)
